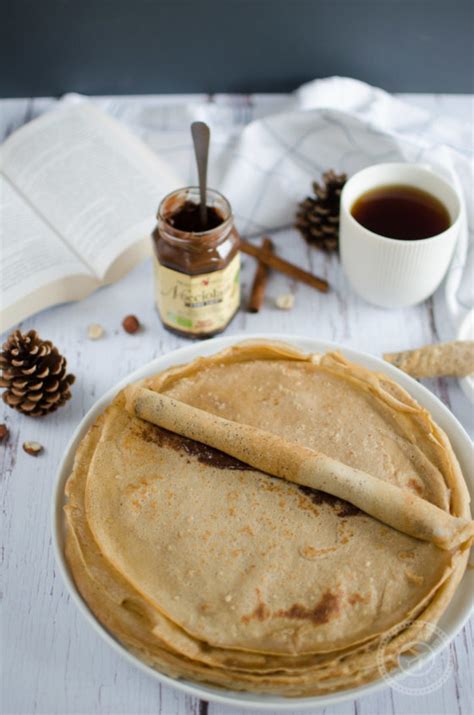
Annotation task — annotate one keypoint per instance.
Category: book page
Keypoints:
(90, 178)
(33, 260)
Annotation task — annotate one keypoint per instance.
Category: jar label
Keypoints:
(197, 304)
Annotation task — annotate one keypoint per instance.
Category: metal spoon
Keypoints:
(201, 134)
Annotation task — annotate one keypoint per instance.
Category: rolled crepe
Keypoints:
(272, 454)
(455, 359)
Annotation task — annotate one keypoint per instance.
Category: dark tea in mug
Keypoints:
(401, 211)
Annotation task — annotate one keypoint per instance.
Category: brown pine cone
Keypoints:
(318, 216)
(33, 374)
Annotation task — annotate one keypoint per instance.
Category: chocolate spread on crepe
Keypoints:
(236, 578)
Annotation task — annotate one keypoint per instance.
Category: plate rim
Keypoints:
(179, 356)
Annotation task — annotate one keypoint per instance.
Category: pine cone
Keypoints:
(33, 374)
(318, 216)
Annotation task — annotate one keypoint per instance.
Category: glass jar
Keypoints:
(197, 287)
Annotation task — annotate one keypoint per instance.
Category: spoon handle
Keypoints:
(200, 133)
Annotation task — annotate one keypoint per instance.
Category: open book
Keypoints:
(78, 198)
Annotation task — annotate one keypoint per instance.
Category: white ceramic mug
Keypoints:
(389, 272)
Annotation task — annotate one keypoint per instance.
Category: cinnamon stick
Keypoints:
(259, 284)
(289, 269)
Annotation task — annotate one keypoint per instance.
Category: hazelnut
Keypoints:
(285, 301)
(33, 448)
(4, 433)
(95, 331)
(131, 324)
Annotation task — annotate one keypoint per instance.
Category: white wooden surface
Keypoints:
(52, 662)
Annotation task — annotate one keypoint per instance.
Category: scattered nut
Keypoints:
(95, 331)
(33, 448)
(4, 433)
(131, 324)
(285, 301)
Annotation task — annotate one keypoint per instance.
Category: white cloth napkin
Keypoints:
(414, 135)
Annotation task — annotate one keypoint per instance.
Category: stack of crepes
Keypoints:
(269, 521)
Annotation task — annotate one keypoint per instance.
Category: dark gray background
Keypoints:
(49, 47)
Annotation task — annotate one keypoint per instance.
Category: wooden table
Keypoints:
(52, 661)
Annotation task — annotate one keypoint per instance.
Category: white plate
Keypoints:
(452, 621)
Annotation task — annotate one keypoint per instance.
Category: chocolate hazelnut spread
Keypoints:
(204, 454)
(196, 267)
(187, 218)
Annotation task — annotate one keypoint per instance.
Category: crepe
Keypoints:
(455, 359)
(387, 502)
(214, 571)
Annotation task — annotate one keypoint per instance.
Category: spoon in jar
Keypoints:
(201, 134)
